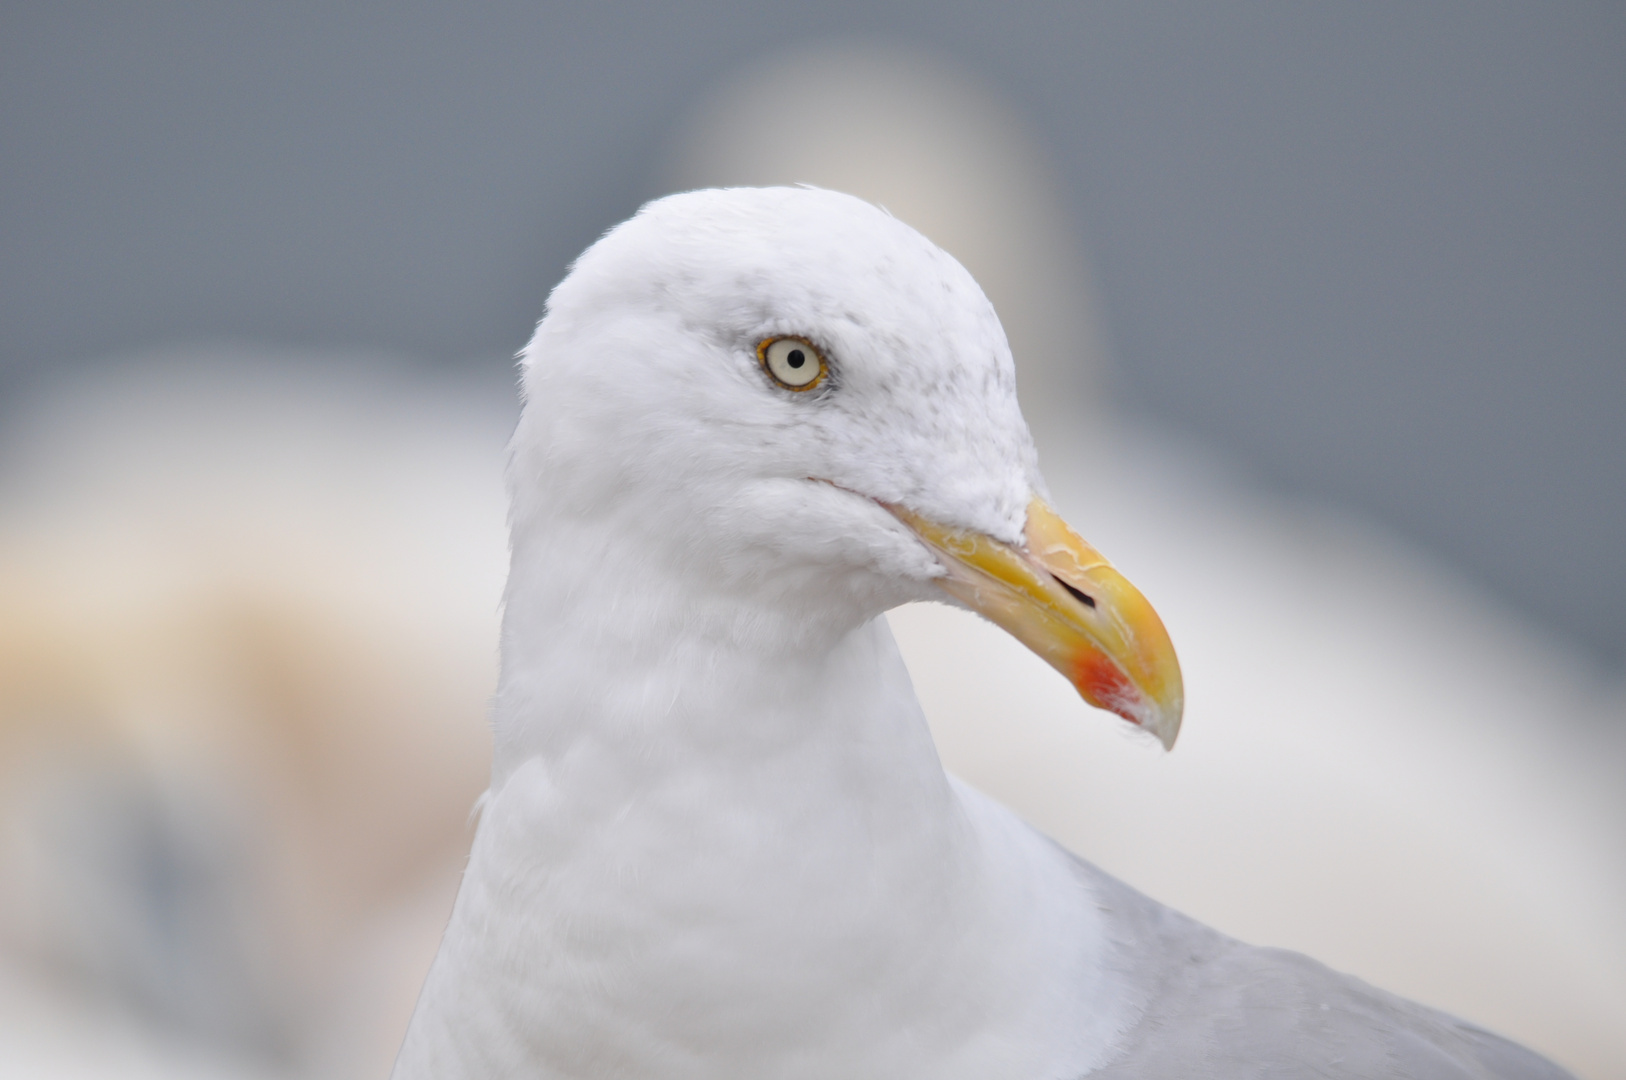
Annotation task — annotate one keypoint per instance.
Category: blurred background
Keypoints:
(1318, 315)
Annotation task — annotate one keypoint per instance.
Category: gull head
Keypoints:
(790, 411)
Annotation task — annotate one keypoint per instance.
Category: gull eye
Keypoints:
(793, 362)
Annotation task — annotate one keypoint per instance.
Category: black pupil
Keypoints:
(796, 358)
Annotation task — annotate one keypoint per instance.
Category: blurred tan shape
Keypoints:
(247, 631)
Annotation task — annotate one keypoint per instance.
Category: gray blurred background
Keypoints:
(1376, 252)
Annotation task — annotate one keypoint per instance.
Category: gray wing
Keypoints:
(1216, 1008)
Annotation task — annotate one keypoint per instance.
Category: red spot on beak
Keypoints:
(1105, 686)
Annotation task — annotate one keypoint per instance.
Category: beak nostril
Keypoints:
(1084, 598)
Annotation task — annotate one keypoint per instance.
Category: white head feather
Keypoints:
(643, 389)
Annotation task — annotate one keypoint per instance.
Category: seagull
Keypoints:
(718, 841)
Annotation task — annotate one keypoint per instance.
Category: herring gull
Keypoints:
(718, 841)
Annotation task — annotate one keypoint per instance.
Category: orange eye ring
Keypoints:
(793, 362)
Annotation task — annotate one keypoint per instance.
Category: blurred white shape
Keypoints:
(1379, 767)
(62, 1037)
(910, 133)
(247, 630)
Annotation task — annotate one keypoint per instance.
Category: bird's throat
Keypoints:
(704, 858)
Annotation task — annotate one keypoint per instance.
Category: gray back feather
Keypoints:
(1216, 1008)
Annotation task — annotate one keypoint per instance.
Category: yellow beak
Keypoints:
(1060, 598)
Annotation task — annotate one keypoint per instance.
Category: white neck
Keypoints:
(718, 844)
